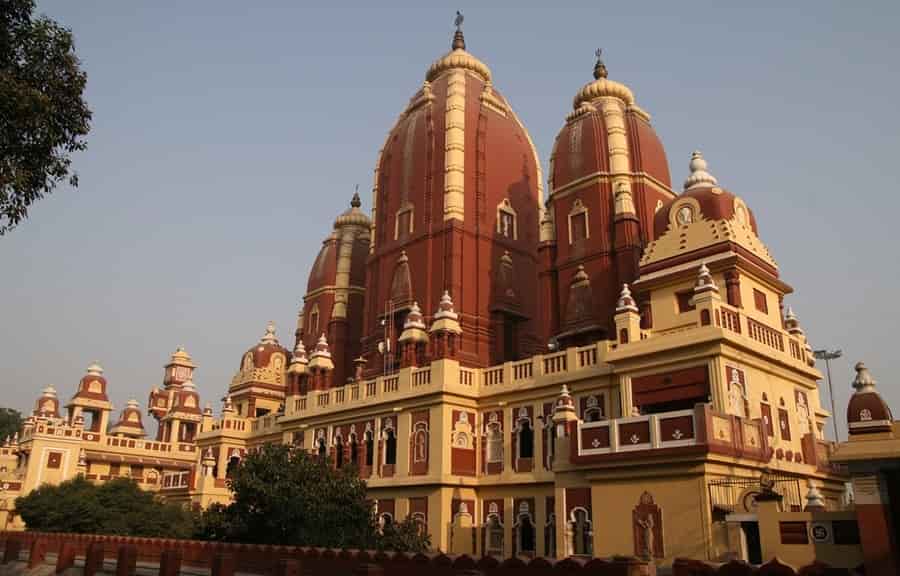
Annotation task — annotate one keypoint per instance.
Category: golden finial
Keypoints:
(355, 202)
(599, 67)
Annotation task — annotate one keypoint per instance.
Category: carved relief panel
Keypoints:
(462, 443)
(648, 530)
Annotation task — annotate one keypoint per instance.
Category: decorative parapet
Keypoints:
(448, 375)
(735, 326)
(698, 430)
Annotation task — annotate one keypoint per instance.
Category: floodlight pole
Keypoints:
(828, 356)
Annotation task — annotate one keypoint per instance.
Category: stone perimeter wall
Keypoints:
(226, 559)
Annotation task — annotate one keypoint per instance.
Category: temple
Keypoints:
(607, 366)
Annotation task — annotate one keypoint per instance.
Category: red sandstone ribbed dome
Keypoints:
(867, 411)
(457, 186)
(582, 146)
(260, 354)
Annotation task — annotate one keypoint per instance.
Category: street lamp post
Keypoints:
(828, 356)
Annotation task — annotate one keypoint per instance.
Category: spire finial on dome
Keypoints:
(95, 368)
(599, 66)
(699, 177)
(863, 378)
(459, 42)
(269, 337)
(355, 203)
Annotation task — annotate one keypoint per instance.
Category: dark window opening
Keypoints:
(759, 299)
(526, 440)
(186, 432)
(550, 537)
(579, 226)
(262, 412)
(354, 451)
(582, 534)
(370, 449)
(684, 301)
(339, 452)
(682, 404)
(322, 449)
(390, 448)
(232, 467)
(510, 340)
(507, 224)
(91, 420)
(526, 535)
(494, 537)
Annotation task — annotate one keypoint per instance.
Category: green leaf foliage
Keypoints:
(43, 117)
(407, 535)
(288, 497)
(285, 496)
(117, 507)
(10, 422)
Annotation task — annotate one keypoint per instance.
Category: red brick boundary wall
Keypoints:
(685, 567)
(225, 559)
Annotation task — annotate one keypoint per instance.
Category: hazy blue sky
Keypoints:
(228, 135)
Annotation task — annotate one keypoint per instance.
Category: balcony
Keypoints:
(699, 430)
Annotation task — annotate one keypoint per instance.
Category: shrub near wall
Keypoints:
(119, 507)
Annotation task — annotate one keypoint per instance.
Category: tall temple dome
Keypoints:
(608, 176)
(333, 304)
(455, 208)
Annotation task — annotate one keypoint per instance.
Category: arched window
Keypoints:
(524, 530)
(420, 443)
(339, 451)
(550, 536)
(578, 222)
(582, 533)
(323, 450)
(370, 448)
(493, 540)
(404, 222)
(506, 220)
(313, 326)
(232, 467)
(354, 450)
(593, 409)
(421, 523)
(494, 443)
(390, 447)
(551, 443)
(526, 439)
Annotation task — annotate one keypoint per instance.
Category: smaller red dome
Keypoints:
(130, 422)
(713, 202)
(261, 355)
(324, 265)
(867, 411)
(93, 384)
(48, 403)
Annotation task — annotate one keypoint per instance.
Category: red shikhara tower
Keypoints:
(455, 208)
(608, 177)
